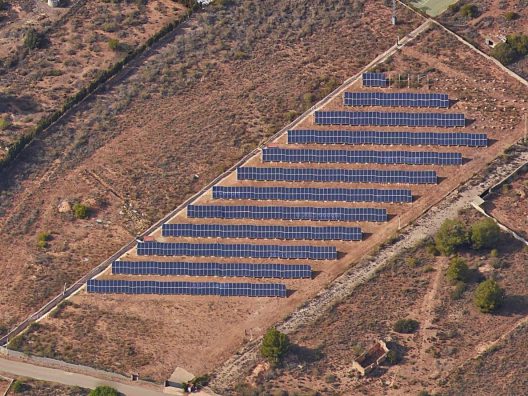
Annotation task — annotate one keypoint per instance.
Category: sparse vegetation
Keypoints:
(393, 357)
(4, 123)
(81, 211)
(406, 326)
(488, 296)
(274, 346)
(42, 239)
(103, 391)
(114, 44)
(511, 16)
(33, 39)
(18, 387)
(469, 10)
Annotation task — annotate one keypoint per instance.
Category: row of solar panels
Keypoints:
(375, 80)
(313, 194)
(395, 99)
(243, 270)
(286, 213)
(277, 154)
(311, 136)
(187, 288)
(236, 250)
(337, 175)
(262, 232)
(377, 118)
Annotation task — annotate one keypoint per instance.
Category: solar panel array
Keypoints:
(284, 271)
(286, 213)
(312, 194)
(395, 99)
(187, 288)
(262, 232)
(276, 154)
(377, 118)
(311, 136)
(337, 175)
(236, 250)
(375, 80)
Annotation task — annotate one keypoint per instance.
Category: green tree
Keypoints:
(519, 42)
(451, 235)
(103, 391)
(4, 124)
(114, 44)
(80, 211)
(504, 53)
(274, 345)
(457, 270)
(406, 326)
(33, 39)
(488, 296)
(469, 10)
(485, 234)
(18, 387)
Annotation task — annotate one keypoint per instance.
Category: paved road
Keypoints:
(71, 379)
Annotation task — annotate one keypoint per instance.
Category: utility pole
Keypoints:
(394, 19)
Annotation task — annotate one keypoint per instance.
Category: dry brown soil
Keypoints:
(509, 205)
(451, 330)
(199, 333)
(75, 49)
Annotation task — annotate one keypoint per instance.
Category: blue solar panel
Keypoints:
(236, 250)
(276, 154)
(337, 175)
(396, 99)
(187, 288)
(313, 194)
(311, 136)
(262, 232)
(375, 80)
(377, 118)
(286, 213)
(284, 271)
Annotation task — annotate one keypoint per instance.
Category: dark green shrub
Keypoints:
(469, 10)
(33, 39)
(42, 239)
(81, 211)
(451, 236)
(103, 391)
(3, 5)
(18, 387)
(4, 124)
(485, 234)
(458, 290)
(488, 296)
(114, 44)
(457, 270)
(393, 357)
(511, 16)
(274, 345)
(504, 53)
(406, 326)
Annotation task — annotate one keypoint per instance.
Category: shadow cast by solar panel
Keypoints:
(315, 274)
(290, 292)
(340, 255)
(440, 179)
(465, 160)
(367, 235)
(491, 142)
(470, 121)
(452, 102)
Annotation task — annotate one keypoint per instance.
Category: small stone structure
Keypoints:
(372, 358)
(54, 3)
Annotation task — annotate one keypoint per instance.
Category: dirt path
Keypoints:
(427, 363)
